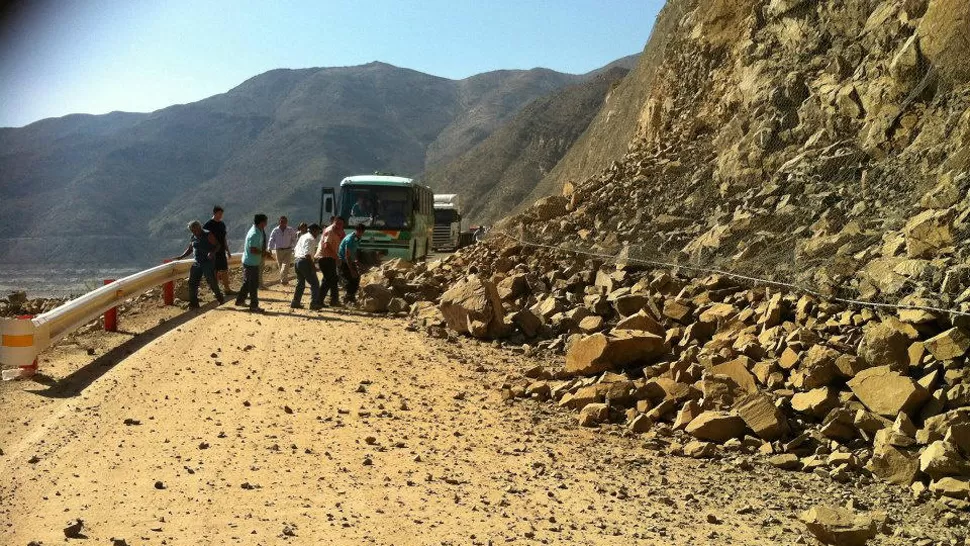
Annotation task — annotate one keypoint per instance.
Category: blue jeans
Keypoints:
(199, 270)
(306, 275)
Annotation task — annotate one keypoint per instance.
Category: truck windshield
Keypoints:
(445, 216)
(376, 206)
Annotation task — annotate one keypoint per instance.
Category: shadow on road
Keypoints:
(73, 384)
(311, 315)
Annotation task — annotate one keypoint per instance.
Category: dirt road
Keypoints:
(305, 427)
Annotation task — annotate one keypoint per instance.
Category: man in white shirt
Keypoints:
(306, 272)
(281, 241)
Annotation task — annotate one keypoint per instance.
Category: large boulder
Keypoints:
(885, 345)
(838, 526)
(600, 352)
(473, 307)
(594, 414)
(936, 427)
(941, 459)
(955, 488)
(513, 286)
(892, 463)
(817, 368)
(426, 313)
(737, 370)
(716, 426)
(818, 402)
(630, 304)
(375, 298)
(944, 39)
(928, 233)
(959, 435)
(948, 345)
(667, 389)
(550, 207)
(641, 321)
(762, 416)
(527, 321)
(887, 392)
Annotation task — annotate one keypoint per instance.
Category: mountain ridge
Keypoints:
(119, 187)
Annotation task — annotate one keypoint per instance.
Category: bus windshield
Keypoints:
(376, 206)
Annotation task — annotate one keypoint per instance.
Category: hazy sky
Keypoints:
(64, 56)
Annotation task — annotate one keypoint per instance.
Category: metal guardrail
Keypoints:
(22, 339)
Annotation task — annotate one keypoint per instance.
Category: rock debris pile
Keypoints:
(825, 145)
(17, 303)
(705, 365)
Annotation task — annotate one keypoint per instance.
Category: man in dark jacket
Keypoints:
(217, 227)
(204, 246)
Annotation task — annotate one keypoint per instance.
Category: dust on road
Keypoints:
(338, 428)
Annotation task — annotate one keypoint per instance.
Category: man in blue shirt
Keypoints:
(253, 255)
(348, 253)
(205, 247)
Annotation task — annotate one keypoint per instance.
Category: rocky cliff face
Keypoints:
(825, 144)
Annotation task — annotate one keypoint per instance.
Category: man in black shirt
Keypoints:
(217, 227)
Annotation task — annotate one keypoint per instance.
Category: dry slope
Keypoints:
(816, 143)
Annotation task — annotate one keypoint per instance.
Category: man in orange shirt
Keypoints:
(326, 257)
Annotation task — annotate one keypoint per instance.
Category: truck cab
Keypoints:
(447, 222)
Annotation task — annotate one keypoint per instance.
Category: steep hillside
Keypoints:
(497, 174)
(607, 137)
(119, 188)
(486, 102)
(808, 143)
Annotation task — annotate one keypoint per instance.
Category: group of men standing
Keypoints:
(323, 249)
(306, 249)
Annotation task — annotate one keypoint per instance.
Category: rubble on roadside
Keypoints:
(841, 391)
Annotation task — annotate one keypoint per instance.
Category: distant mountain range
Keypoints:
(119, 188)
(497, 175)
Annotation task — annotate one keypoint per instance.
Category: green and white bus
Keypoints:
(397, 212)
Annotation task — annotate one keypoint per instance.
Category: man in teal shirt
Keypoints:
(253, 255)
(349, 255)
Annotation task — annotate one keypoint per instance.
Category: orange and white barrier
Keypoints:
(22, 339)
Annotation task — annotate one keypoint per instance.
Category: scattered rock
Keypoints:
(887, 392)
(599, 353)
(941, 459)
(838, 526)
(700, 450)
(594, 414)
(948, 345)
(716, 426)
(73, 528)
(785, 461)
(762, 416)
(474, 307)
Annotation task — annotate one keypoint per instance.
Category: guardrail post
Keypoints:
(168, 290)
(111, 315)
(17, 345)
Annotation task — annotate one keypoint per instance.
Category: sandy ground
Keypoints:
(302, 427)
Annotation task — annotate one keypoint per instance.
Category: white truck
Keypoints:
(447, 222)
